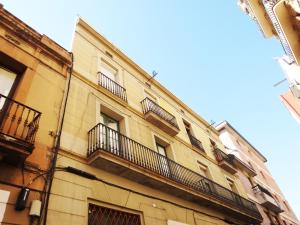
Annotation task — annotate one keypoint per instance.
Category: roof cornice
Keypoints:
(124, 57)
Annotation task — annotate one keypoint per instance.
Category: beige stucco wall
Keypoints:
(41, 87)
(71, 194)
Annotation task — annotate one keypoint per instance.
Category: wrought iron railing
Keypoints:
(196, 143)
(269, 6)
(222, 156)
(150, 106)
(262, 189)
(18, 122)
(249, 167)
(112, 86)
(106, 139)
(267, 196)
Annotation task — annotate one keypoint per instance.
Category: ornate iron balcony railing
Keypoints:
(195, 142)
(106, 139)
(18, 122)
(150, 106)
(222, 156)
(269, 5)
(112, 86)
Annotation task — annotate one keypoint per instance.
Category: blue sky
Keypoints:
(211, 55)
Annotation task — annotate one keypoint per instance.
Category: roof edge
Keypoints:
(221, 126)
(91, 30)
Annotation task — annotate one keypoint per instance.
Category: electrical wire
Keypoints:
(93, 177)
(48, 185)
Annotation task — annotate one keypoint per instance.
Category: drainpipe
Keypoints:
(56, 145)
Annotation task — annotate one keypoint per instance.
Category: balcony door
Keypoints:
(163, 161)
(110, 140)
(7, 83)
(7, 80)
(108, 71)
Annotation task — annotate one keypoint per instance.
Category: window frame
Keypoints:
(115, 208)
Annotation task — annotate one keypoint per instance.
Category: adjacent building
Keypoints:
(280, 19)
(132, 153)
(33, 70)
(255, 177)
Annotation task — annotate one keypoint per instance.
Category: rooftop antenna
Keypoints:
(279, 82)
(211, 123)
(154, 73)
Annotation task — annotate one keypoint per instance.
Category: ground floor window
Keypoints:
(99, 215)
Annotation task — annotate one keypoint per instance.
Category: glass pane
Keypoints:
(109, 122)
(108, 71)
(7, 79)
(161, 150)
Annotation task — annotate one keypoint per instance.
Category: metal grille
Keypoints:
(106, 139)
(112, 86)
(18, 122)
(99, 215)
(150, 106)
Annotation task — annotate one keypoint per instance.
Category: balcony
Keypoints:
(266, 199)
(225, 161)
(256, 11)
(111, 151)
(159, 117)
(282, 20)
(18, 127)
(241, 165)
(112, 86)
(196, 143)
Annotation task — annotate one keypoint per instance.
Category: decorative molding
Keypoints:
(15, 27)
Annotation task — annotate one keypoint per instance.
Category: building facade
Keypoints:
(280, 19)
(33, 71)
(133, 153)
(256, 178)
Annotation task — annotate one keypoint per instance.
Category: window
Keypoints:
(99, 215)
(232, 185)
(204, 171)
(108, 71)
(150, 96)
(10, 73)
(193, 140)
(109, 138)
(188, 130)
(164, 164)
(213, 144)
(109, 122)
(7, 79)
(187, 127)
